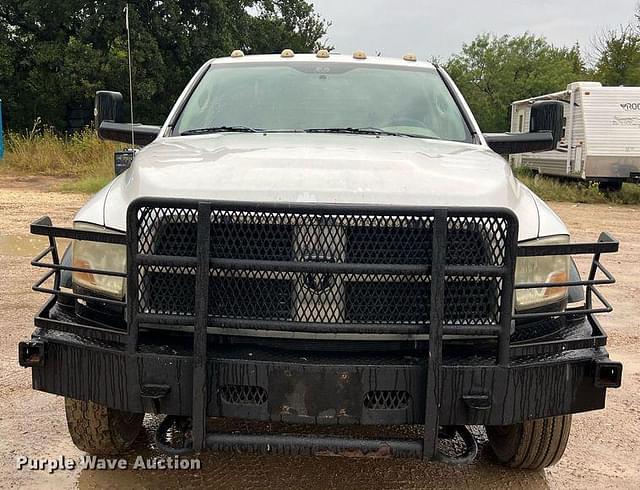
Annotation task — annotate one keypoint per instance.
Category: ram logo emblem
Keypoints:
(317, 282)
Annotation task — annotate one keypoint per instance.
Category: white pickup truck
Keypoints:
(326, 240)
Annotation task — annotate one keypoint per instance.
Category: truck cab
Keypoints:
(327, 240)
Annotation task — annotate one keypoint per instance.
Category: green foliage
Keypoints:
(619, 57)
(285, 24)
(85, 185)
(492, 72)
(57, 54)
(41, 151)
(554, 189)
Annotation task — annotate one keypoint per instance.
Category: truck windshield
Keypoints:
(316, 96)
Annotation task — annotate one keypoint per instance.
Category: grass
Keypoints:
(86, 185)
(83, 158)
(552, 189)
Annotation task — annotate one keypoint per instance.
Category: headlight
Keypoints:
(99, 256)
(550, 269)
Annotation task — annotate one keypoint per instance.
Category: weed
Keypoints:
(555, 189)
(41, 151)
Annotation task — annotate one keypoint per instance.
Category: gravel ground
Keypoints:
(603, 447)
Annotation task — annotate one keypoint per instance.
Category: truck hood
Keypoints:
(322, 168)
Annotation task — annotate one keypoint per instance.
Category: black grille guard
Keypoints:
(447, 263)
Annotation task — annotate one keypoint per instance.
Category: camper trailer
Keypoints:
(600, 139)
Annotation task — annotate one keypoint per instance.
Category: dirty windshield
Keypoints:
(317, 96)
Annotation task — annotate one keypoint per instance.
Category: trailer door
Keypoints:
(612, 131)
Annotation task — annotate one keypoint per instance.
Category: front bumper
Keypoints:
(461, 364)
(280, 385)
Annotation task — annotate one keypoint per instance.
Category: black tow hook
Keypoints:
(471, 445)
(607, 374)
(31, 353)
(173, 436)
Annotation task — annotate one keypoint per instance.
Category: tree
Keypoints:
(494, 71)
(286, 23)
(54, 55)
(619, 56)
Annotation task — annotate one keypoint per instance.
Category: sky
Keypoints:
(439, 28)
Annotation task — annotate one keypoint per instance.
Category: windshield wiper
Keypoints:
(221, 129)
(374, 131)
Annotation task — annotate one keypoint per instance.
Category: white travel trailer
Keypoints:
(601, 136)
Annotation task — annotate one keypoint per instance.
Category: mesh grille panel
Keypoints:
(251, 241)
(167, 290)
(476, 241)
(259, 295)
(386, 400)
(243, 394)
(310, 267)
(384, 244)
(167, 232)
(472, 300)
(389, 300)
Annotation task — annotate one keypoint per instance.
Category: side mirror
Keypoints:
(513, 143)
(109, 114)
(109, 107)
(548, 115)
(545, 131)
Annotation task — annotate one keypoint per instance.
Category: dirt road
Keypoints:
(603, 448)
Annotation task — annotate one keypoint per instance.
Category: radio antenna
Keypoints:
(126, 10)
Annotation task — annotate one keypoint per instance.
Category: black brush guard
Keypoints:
(458, 250)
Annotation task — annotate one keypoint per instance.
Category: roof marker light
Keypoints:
(237, 53)
(287, 53)
(410, 57)
(322, 53)
(359, 55)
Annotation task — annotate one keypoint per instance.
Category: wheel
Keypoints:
(99, 430)
(532, 445)
(610, 186)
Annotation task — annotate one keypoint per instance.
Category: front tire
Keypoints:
(99, 430)
(531, 445)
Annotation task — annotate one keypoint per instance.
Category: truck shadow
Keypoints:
(246, 471)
